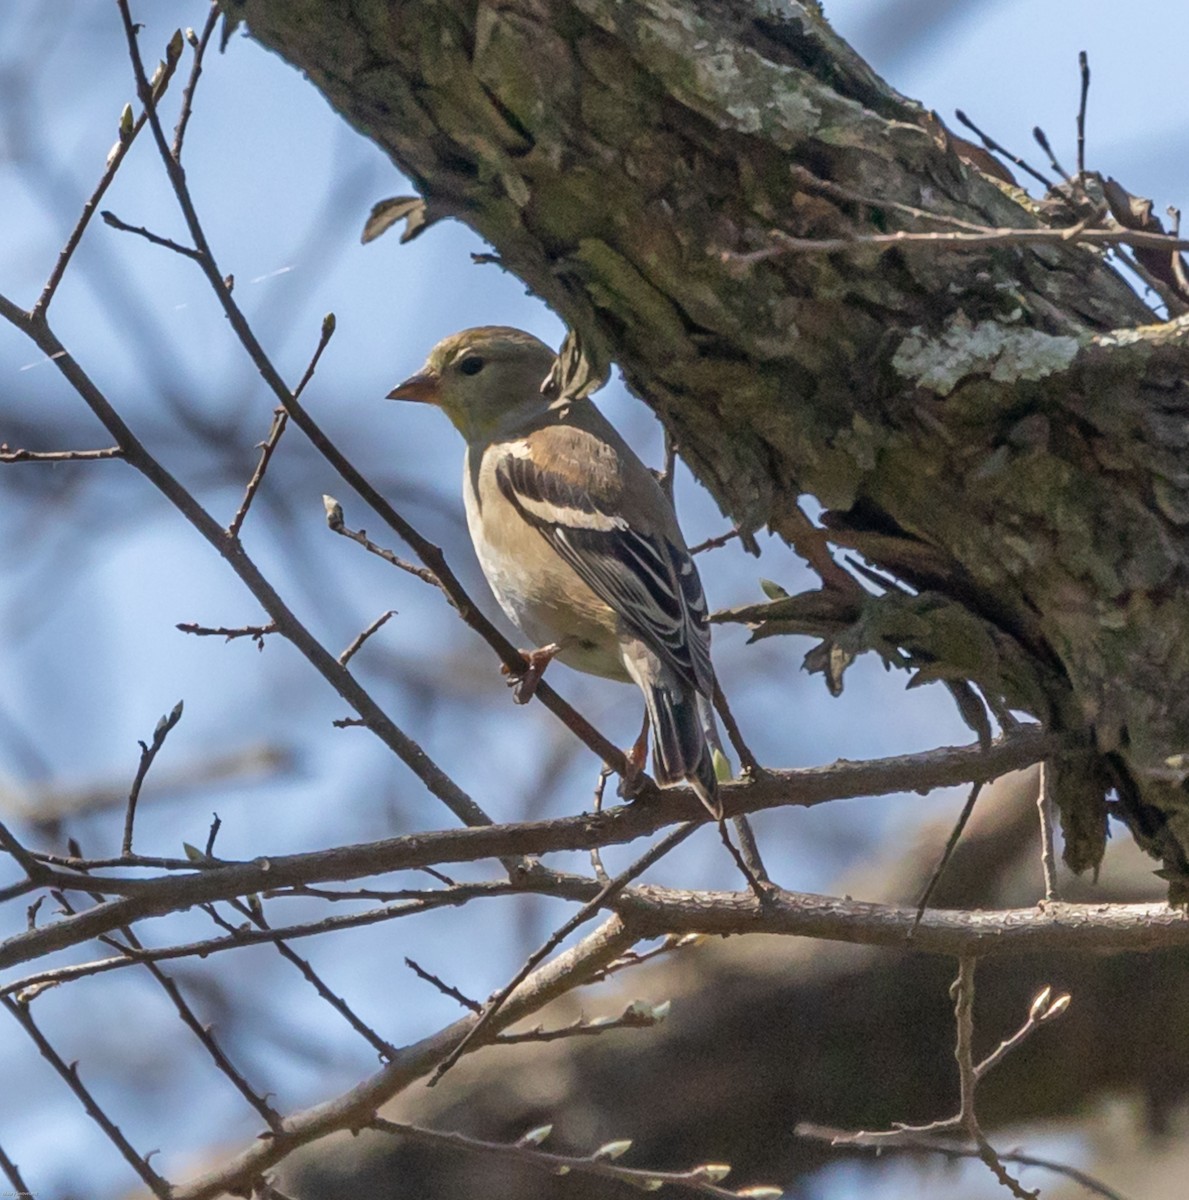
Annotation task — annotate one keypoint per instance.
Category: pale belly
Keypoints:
(543, 596)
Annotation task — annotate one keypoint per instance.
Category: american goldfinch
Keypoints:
(577, 540)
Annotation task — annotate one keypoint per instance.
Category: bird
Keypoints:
(578, 542)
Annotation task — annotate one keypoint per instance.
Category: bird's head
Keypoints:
(486, 380)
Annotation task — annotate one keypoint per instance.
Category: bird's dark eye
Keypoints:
(472, 365)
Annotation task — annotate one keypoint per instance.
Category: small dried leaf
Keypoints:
(415, 211)
(612, 1150)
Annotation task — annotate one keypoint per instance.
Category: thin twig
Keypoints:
(12, 1173)
(1084, 67)
(334, 519)
(749, 765)
(714, 543)
(240, 938)
(636, 1016)
(9, 455)
(357, 644)
(256, 632)
(443, 987)
(1042, 140)
(179, 133)
(996, 148)
(1044, 809)
(147, 754)
(906, 1140)
(280, 419)
(111, 219)
(948, 852)
(1042, 1009)
(701, 1180)
(783, 243)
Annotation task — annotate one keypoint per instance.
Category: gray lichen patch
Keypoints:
(1005, 354)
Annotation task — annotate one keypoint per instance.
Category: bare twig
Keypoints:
(334, 519)
(280, 419)
(1084, 67)
(256, 632)
(239, 938)
(200, 45)
(946, 854)
(1043, 1008)
(637, 1015)
(147, 754)
(1042, 140)
(357, 644)
(9, 455)
(783, 243)
(917, 1142)
(701, 1180)
(749, 765)
(443, 987)
(714, 543)
(12, 1173)
(156, 239)
(1044, 809)
(996, 148)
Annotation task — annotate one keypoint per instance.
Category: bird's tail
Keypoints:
(682, 735)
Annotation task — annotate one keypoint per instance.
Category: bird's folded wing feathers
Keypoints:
(647, 579)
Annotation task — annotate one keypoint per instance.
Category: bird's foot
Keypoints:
(635, 761)
(525, 685)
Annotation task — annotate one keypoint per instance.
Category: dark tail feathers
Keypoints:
(680, 749)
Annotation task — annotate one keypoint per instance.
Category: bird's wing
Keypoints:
(649, 580)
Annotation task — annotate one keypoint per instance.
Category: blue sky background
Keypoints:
(97, 570)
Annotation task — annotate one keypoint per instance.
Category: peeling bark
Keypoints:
(1003, 427)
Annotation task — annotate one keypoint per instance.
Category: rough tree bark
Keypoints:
(1003, 428)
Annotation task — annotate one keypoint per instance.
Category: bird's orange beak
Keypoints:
(422, 388)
